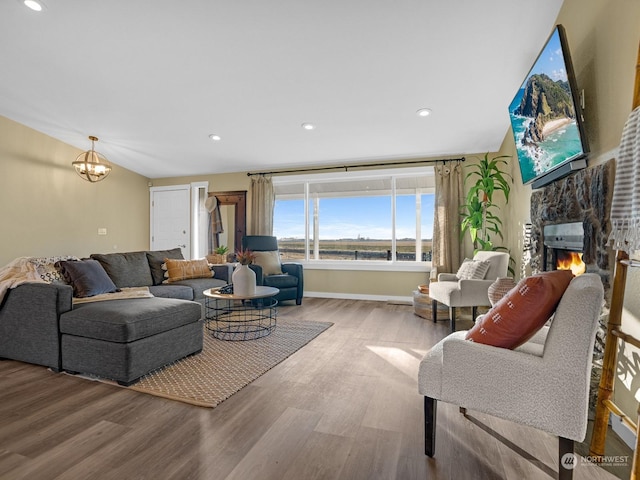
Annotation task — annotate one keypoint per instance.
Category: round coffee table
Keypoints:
(241, 317)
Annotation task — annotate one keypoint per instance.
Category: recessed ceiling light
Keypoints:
(36, 6)
(308, 126)
(424, 112)
(215, 138)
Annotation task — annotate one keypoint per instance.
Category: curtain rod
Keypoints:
(357, 165)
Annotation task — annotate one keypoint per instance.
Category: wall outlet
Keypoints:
(102, 231)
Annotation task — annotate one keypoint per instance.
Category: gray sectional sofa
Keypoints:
(121, 339)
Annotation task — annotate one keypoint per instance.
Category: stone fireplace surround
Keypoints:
(582, 197)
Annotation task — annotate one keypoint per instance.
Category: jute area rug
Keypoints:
(225, 367)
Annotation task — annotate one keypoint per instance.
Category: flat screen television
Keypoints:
(545, 115)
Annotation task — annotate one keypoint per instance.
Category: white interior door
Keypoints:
(170, 218)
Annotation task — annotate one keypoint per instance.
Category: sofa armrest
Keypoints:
(296, 269)
(447, 277)
(292, 268)
(499, 382)
(259, 276)
(223, 271)
(29, 322)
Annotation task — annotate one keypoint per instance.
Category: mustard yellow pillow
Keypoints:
(185, 269)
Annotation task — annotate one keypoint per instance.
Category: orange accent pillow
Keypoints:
(523, 311)
(185, 269)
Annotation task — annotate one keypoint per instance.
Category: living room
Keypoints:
(47, 210)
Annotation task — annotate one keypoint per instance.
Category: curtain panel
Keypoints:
(262, 202)
(447, 244)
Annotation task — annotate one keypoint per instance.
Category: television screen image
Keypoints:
(546, 123)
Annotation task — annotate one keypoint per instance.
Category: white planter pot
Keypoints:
(244, 281)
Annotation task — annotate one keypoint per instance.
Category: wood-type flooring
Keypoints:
(345, 406)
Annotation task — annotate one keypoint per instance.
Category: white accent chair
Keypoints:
(454, 292)
(544, 383)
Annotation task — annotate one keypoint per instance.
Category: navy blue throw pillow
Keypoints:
(87, 277)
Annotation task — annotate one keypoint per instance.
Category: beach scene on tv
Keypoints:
(543, 115)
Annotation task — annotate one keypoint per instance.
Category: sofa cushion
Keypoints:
(185, 269)
(129, 269)
(521, 312)
(182, 292)
(86, 277)
(157, 257)
(128, 320)
(199, 285)
(281, 281)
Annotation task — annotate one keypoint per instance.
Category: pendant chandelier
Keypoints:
(91, 165)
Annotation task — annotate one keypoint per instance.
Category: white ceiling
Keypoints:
(152, 79)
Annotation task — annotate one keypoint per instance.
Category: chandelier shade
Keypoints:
(91, 165)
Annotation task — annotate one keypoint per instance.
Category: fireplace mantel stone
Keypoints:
(582, 197)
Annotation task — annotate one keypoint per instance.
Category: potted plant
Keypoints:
(479, 213)
(245, 257)
(221, 251)
(219, 255)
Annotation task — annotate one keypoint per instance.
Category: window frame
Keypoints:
(364, 175)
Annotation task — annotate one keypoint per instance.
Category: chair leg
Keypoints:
(430, 407)
(474, 313)
(452, 315)
(434, 310)
(566, 459)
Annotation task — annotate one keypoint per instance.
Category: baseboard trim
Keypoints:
(627, 435)
(359, 296)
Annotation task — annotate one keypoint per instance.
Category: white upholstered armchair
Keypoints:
(544, 383)
(454, 291)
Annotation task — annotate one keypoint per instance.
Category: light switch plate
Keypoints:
(102, 231)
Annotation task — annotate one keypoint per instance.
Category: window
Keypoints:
(371, 216)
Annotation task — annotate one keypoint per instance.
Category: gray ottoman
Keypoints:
(123, 340)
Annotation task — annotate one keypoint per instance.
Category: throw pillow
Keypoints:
(128, 269)
(269, 261)
(499, 289)
(87, 277)
(186, 269)
(521, 312)
(46, 268)
(156, 260)
(472, 269)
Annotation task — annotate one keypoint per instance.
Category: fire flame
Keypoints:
(571, 261)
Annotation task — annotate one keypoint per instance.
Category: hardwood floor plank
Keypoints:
(11, 461)
(272, 455)
(321, 458)
(375, 455)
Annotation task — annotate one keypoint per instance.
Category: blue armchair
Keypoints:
(290, 282)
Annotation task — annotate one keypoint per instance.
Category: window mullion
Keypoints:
(418, 225)
(316, 227)
(306, 220)
(393, 219)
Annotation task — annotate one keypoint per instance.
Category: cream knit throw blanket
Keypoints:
(19, 271)
(625, 206)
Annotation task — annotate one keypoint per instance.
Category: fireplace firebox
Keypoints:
(563, 247)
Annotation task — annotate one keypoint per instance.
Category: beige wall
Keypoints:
(603, 39)
(325, 282)
(46, 209)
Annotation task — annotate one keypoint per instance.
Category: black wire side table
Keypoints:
(241, 317)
